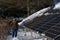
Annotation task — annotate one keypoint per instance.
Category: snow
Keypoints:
(38, 39)
(40, 12)
(15, 38)
(57, 6)
(31, 17)
(23, 35)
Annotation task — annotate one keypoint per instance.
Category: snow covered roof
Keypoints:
(31, 17)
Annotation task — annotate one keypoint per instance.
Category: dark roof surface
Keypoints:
(50, 25)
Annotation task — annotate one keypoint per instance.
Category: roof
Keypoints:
(50, 25)
(47, 22)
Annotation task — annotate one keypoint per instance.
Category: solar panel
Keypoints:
(58, 38)
(50, 26)
(50, 35)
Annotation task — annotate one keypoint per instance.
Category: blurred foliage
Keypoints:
(21, 5)
(39, 4)
(4, 29)
(12, 3)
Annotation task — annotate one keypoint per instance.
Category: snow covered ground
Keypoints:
(23, 35)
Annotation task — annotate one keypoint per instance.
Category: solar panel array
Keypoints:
(50, 26)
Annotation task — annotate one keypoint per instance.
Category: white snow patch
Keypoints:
(24, 35)
(15, 38)
(38, 39)
(57, 6)
(31, 17)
